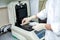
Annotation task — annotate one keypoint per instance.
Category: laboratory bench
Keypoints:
(7, 35)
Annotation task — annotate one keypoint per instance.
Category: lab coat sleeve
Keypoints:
(56, 28)
(42, 15)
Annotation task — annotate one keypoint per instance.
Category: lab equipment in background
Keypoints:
(21, 12)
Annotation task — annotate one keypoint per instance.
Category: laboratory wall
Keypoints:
(3, 16)
(4, 2)
(37, 6)
(42, 4)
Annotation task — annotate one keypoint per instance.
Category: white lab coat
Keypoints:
(52, 12)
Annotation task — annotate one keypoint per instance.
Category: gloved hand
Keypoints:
(39, 27)
(25, 21)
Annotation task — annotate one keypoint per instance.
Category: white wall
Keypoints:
(3, 16)
(4, 2)
(37, 6)
(34, 4)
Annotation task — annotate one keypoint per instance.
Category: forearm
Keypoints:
(41, 15)
(33, 17)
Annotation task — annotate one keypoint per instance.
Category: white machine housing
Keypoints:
(20, 33)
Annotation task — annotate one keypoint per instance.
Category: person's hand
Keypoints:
(25, 21)
(39, 27)
(48, 26)
(42, 26)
